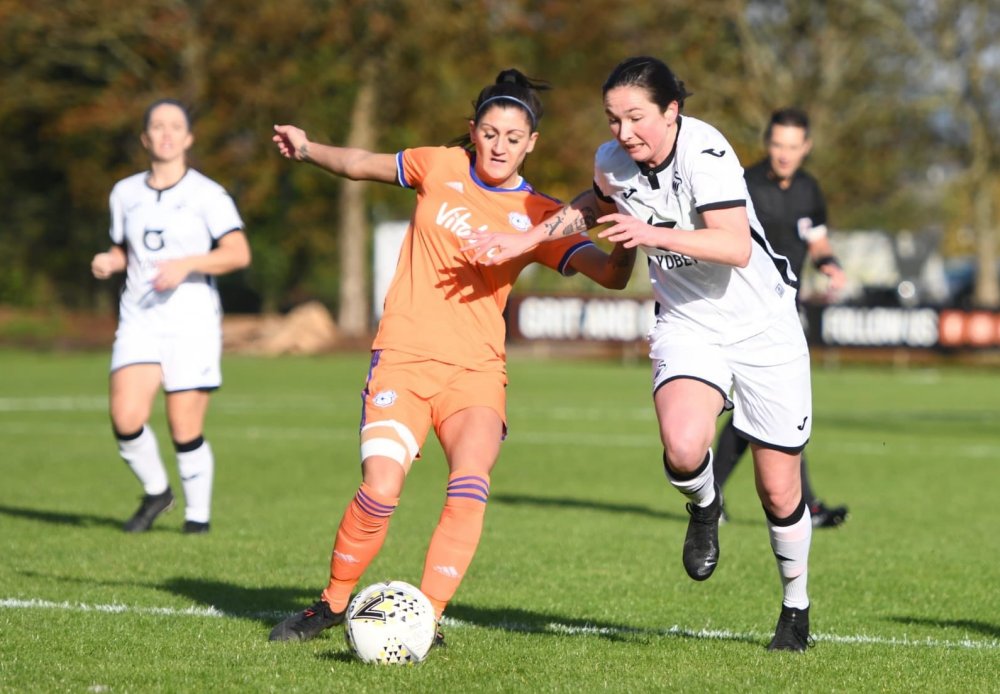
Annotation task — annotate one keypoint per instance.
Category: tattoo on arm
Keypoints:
(566, 222)
(553, 224)
(304, 152)
(586, 220)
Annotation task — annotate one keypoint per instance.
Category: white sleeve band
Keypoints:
(816, 233)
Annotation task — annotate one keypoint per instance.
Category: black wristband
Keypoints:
(826, 260)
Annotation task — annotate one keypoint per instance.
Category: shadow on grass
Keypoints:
(633, 509)
(518, 621)
(267, 605)
(60, 518)
(967, 624)
(341, 656)
(571, 503)
(527, 622)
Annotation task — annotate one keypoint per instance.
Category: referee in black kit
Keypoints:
(791, 207)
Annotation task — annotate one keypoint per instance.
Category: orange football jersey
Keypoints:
(440, 305)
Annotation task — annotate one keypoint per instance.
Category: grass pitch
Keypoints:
(577, 585)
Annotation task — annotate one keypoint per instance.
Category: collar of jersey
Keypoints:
(651, 172)
(145, 180)
(524, 185)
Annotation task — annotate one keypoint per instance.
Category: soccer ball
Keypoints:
(390, 623)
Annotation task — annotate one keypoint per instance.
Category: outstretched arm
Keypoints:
(579, 215)
(349, 162)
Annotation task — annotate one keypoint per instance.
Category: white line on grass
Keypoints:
(54, 404)
(551, 628)
(73, 403)
(726, 635)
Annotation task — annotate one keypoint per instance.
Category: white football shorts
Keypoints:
(188, 362)
(765, 379)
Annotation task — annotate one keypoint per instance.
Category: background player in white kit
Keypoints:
(172, 230)
(726, 317)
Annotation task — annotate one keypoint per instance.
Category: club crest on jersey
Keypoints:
(385, 398)
(519, 221)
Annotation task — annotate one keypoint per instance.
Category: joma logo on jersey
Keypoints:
(456, 220)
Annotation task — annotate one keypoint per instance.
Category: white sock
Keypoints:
(700, 489)
(197, 468)
(790, 544)
(143, 455)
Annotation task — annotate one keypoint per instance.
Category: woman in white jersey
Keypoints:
(172, 231)
(726, 334)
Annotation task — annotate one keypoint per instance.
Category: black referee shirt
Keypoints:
(787, 215)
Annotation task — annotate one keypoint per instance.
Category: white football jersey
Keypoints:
(156, 225)
(702, 173)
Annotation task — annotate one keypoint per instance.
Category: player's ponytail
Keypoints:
(511, 88)
(514, 87)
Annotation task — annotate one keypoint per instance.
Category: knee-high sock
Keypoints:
(455, 540)
(790, 540)
(699, 486)
(142, 454)
(362, 531)
(197, 467)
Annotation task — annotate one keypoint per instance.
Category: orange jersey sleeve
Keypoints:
(440, 305)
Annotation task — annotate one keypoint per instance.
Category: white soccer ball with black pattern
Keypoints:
(391, 623)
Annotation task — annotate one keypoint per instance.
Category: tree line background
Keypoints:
(904, 97)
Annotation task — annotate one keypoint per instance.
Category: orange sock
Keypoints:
(359, 538)
(456, 537)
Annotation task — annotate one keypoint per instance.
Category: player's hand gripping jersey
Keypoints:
(702, 173)
(156, 225)
(439, 304)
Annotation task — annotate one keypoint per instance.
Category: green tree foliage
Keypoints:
(76, 75)
(953, 45)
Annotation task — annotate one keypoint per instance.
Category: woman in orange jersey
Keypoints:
(438, 358)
